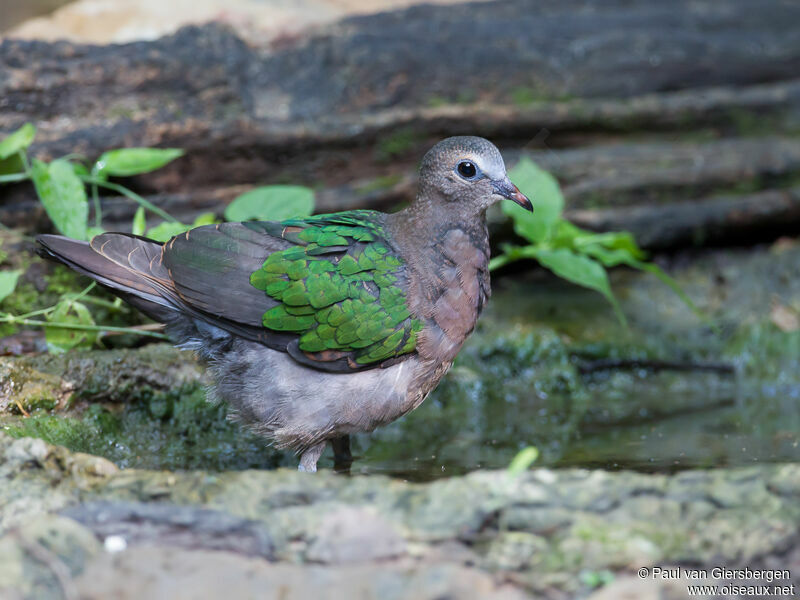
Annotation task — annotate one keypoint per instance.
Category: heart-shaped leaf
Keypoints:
(8, 283)
(61, 339)
(545, 194)
(272, 203)
(63, 196)
(16, 141)
(125, 162)
(139, 223)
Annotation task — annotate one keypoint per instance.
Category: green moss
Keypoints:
(764, 351)
(397, 143)
(466, 97)
(522, 96)
(120, 112)
(379, 184)
(527, 95)
(437, 101)
(175, 430)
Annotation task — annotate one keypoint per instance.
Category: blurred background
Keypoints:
(660, 144)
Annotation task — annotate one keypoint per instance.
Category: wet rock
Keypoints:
(514, 550)
(629, 587)
(170, 525)
(38, 477)
(40, 558)
(111, 375)
(544, 527)
(351, 535)
(161, 574)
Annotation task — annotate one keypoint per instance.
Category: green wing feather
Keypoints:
(340, 288)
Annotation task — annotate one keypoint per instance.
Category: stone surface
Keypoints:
(161, 574)
(185, 533)
(113, 376)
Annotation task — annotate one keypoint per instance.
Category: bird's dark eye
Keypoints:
(467, 169)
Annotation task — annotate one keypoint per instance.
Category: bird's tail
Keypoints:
(129, 265)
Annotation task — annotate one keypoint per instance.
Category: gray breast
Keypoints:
(298, 406)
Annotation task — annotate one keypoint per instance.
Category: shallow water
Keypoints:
(648, 419)
(759, 428)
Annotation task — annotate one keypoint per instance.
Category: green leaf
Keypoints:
(125, 162)
(595, 579)
(614, 240)
(609, 258)
(80, 169)
(581, 270)
(93, 231)
(16, 141)
(543, 190)
(523, 460)
(208, 218)
(60, 339)
(63, 196)
(8, 283)
(272, 203)
(12, 165)
(166, 231)
(139, 222)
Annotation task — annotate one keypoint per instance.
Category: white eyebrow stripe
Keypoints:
(495, 172)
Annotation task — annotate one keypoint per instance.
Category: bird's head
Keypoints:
(468, 173)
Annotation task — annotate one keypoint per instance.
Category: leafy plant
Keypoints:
(523, 460)
(279, 202)
(61, 186)
(8, 281)
(69, 311)
(570, 252)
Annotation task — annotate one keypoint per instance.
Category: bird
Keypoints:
(320, 327)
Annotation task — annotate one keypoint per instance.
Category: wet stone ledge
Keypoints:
(487, 534)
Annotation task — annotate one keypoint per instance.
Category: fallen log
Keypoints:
(723, 220)
(381, 87)
(349, 109)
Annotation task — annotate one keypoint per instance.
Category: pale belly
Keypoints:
(298, 406)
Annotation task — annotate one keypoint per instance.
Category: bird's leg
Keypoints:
(309, 458)
(342, 459)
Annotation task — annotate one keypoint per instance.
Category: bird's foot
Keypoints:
(342, 458)
(309, 458)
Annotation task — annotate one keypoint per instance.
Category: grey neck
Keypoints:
(423, 223)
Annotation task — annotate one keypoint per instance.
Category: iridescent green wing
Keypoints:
(341, 288)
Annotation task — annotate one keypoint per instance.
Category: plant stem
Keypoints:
(23, 156)
(98, 211)
(131, 195)
(42, 311)
(78, 326)
(81, 294)
(103, 302)
(14, 177)
(138, 328)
